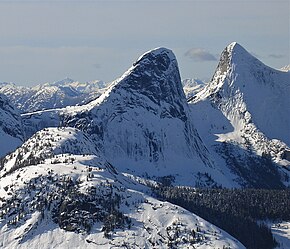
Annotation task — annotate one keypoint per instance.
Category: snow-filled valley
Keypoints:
(79, 163)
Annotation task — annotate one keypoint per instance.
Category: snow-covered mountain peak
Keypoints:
(156, 53)
(155, 74)
(155, 77)
(140, 118)
(237, 52)
(189, 83)
(58, 94)
(7, 84)
(65, 81)
(254, 98)
(233, 55)
(192, 86)
(236, 62)
(235, 48)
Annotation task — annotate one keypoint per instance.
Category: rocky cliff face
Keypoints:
(11, 130)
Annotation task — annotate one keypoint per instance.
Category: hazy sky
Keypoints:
(45, 41)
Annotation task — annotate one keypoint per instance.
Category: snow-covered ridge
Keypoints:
(155, 53)
(46, 144)
(66, 92)
(77, 199)
(137, 220)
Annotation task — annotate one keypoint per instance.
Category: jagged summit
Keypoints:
(156, 52)
(237, 63)
(240, 56)
(237, 58)
(235, 47)
(233, 54)
(154, 74)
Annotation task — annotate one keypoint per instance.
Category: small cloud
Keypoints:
(200, 54)
(277, 56)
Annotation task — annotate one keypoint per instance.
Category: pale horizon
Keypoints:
(46, 41)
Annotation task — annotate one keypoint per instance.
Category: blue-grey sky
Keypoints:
(44, 41)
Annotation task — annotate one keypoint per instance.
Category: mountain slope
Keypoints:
(143, 125)
(46, 144)
(242, 114)
(75, 199)
(11, 130)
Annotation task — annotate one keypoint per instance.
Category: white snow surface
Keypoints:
(281, 233)
(46, 144)
(152, 221)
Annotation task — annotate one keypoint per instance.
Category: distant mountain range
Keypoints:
(58, 94)
(66, 92)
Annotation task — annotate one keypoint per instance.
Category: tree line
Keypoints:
(239, 212)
